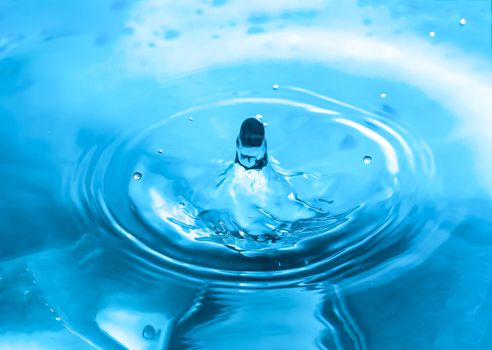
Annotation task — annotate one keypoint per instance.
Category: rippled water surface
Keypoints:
(353, 212)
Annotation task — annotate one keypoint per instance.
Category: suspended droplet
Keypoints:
(367, 160)
(182, 204)
(149, 332)
(383, 95)
(191, 119)
(259, 116)
(432, 34)
(137, 176)
(58, 318)
(275, 86)
(160, 151)
(462, 21)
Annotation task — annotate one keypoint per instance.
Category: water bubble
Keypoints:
(137, 176)
(265, 124)
(149, 332)
(191, 119)
(367, 160)
(160, 151)
(432, 34)
(259, 116)
(182, 204)
(383, 95)
(275, 86)
(58, 318)
(462, 21)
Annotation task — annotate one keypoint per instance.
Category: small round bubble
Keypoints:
(275, 86)
(137, 176)
(383, 95)
(149, 332)
(160, 151)
(191, 119)
(432, 34)
(462, 21)
(367, 159)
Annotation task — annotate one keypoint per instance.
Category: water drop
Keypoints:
(149, 332)
(137, 176)
(259, 116)
(182, 204)
(58, 318)
(367, 160)
(160, 151)
(462, 21)
(275, 86)
(432, 34)
(191, 119)
(383, 95)
(265, 124)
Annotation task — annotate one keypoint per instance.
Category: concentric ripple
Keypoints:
(343, 195)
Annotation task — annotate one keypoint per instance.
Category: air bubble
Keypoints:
(462, 21)
(191, 119)
(149, 332)
(383, 95)
(137, 176)
(182, 204)
(160, 151)
(367, 160)
(432, 34)
(275, 86)
(259, 116)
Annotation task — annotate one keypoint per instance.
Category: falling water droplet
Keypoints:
(58, 318)
(265, 124)
(191, 119)
(383, 95)
(149, 332)
(367, 160)
(160, 151)
(137, 176)
(275, 86)
(259, 116)
(462, 21)
(432, 34)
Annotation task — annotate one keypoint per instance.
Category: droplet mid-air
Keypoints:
(367, 160)
(251, 147)
(137, 176)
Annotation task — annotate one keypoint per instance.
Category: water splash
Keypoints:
(307, 209)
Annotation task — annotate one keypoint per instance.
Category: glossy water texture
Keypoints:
(351, 212)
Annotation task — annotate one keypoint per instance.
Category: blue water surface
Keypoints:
(132, 215)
